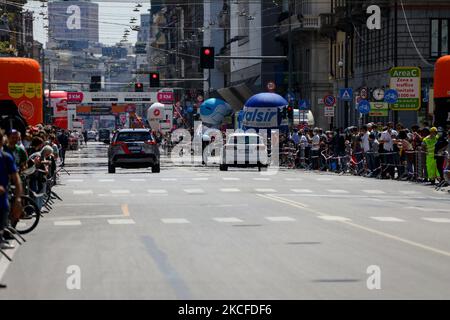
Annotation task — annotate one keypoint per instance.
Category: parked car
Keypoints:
(244, 150)
(133, 148)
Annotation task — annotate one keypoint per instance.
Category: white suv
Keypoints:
(244, 150)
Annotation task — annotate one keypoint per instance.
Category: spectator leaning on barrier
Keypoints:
(429, 143)
(387, 157)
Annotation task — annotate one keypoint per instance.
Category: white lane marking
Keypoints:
(75, 180)
(337, 191)
(178, 221)
(120, 191)
(437, 220)
(228, 220)
(280, 219)
(293, 179)
(262, 179)
(168, 179)
(410, 192)
(67, 223)
(194, 191)
(121, 221)
(79, 192)
(106, 180)
(374, 191)
(334, 218)
(157, 191)
(387, 219)
(265, 190)
(137, 180)
(200, 179)
(324, 179)
(231, 179)
(428, 209)
(100, 216)
(301, 190)
(230, 190)
(361, 227)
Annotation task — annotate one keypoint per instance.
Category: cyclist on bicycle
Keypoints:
(8, 171)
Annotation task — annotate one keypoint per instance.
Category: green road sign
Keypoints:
(407, 82)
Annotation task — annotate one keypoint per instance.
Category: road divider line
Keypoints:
(361, 227)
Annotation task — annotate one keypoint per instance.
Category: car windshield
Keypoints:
(133, 136)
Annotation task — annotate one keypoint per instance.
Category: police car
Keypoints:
(244, 150)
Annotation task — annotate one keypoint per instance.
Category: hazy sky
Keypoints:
(118, 13)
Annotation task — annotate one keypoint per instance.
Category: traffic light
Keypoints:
(290, 112)
(154, 80)
(138, 87)
(96, 84)
(207, 58)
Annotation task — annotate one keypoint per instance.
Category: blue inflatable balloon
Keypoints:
(261, 111)
(213, 111)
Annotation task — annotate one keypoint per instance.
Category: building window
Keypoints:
(439, 39)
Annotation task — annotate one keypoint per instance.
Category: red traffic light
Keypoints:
(207, 52)
(154, 76)
(138, 85)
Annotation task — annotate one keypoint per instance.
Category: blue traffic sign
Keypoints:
(346, 94)
(364, 106)
(329, 101)
(303, 105)
(391, 96)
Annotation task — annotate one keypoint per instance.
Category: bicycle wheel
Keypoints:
(30, 216)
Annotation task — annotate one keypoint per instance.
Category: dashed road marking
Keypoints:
(265, 190)
(334, 218)
(293, 179)
(80, 192)
(280, 219)
(230, 190)
(137, 180)
(301, 190)
(121, 221)
(428, 209)
(387, 219)
(262, 179)
(67, 223)
(200, 179)
(337, 191)
(374, 191)
(228, 220)
(175, 221)
(437, 220)
(106, 180)
(157, 191)
(120, 191)
(194, 191)
(75, 180)
(231, 179)
(169, 179)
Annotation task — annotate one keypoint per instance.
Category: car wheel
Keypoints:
(156, 169)
(223, 167)
(111, 168)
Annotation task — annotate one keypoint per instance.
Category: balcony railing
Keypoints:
(305, 23)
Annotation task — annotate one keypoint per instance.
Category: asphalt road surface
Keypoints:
(193, 232)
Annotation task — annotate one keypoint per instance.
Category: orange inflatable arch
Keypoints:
(21, 82)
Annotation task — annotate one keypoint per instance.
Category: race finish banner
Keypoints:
(407, 82)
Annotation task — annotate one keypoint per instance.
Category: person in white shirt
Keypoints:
(315, 149)
(387, 157)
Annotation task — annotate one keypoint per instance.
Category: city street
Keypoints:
(194, 232)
